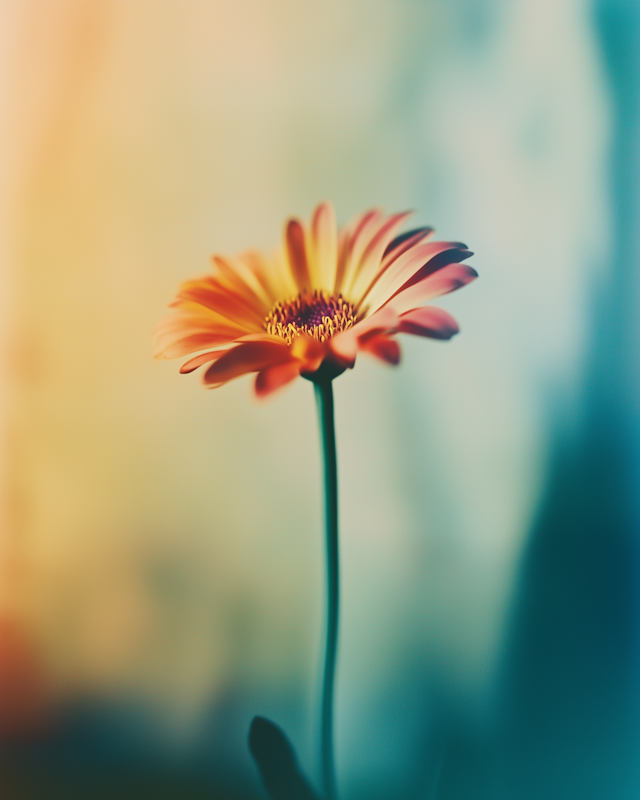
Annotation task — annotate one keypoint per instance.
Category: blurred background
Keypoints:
(161, 552)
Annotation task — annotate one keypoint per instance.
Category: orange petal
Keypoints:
(246, 357)
(188, 331)
(429, 321)
(273, 274)
(192, 318)
(273, 378)
(386, 348)
(402, 270)
(195, 342)
(203, 358)
(223, 300)
(324, 239)
(446, 280)
(244, 282)
(309, 351)
(260, 337)
(297, 252)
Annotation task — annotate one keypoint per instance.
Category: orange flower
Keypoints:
(313, 306)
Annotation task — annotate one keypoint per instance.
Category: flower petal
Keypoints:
(297, 254)
(193, 328)
(404, 267)
(273, 274)
(273, 378)
(345, 344)
(244, 282)
(440, 261)
(223, 300)
(246, 357)
(306, 355)
(358, 234)
(195, 342)
(446, 280)
(405, 241)
(368, 269)
(344, 239)
(260, 337)
(429, 321)
(324, 249)
(231, 287)
(203, 358)
(308, 351)
(192, 316)
(386, 348)
(180, 326)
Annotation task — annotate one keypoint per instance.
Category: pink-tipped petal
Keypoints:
(369, 266)
(405, 241)
(438, 262)
(429, 321)
(386, 319)
(246, 357)
(385, 348)
(345, 344)
(404, 268)
(446, 280)
(297, 252)
(358, 235)
(273, 378)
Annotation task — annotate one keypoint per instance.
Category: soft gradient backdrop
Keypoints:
(161, 559)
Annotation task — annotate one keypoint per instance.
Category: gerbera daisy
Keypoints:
(310, 309)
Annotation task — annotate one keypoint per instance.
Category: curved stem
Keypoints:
(324, 401)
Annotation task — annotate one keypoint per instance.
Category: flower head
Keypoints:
(311, 308)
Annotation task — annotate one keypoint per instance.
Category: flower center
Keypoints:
(315, 313)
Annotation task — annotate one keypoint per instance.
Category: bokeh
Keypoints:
(161, 554)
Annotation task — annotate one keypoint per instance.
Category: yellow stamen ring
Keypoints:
(316, 313)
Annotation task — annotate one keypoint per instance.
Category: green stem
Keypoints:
(324, 401)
